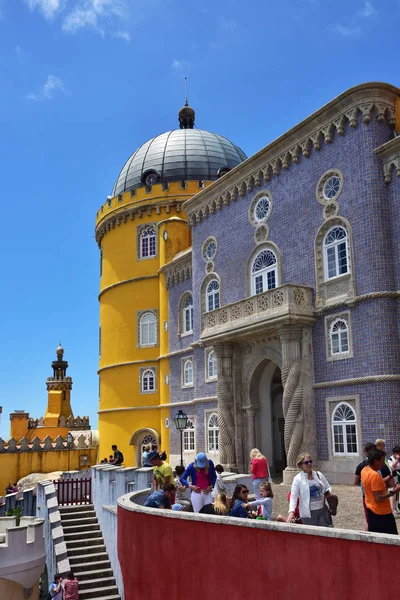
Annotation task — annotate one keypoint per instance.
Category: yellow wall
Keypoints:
(15, 465)
(10, 590)
(121, 299)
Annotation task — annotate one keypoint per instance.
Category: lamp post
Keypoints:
(180, 421)
(70, 439)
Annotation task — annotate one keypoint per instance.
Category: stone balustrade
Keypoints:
(273, 306)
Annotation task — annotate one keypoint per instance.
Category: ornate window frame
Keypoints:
(142, 372)
(341, 287)
(184, 369)
(139, 230)
(182, 315)
(214, 431)
(210, 239)
(208, 378)
(332, 403)
(322, 199)
(252, 218)
(330, 320)
(189, 437)
(139, 315)
(249, 265)
(203, 305)
(335, 245)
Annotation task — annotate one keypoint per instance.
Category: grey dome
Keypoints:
(179, 155)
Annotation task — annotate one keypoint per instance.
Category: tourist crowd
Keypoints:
(64, 589)
(311, 501)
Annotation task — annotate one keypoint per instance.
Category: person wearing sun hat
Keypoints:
(202, 480)
(162, 471)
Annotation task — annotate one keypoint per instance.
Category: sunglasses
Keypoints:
(244, 491)
(307, 462)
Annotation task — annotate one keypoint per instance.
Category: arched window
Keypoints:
(213, 433)
(336, 253)
(148, 380)
(264, 272)
(339, 337)
(188, 372)
(212, 295)
(147, 242)
(148, 329)
(211, 365)
(188, 437)
(187, 316)
(344, 430)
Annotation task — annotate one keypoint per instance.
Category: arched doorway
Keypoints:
(266, 391)
(142, 438)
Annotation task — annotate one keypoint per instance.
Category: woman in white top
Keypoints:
(310, 488)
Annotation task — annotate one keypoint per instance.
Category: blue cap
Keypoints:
(201, 460)
(152, 454)
(177, 506)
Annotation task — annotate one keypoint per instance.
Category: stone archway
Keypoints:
(139, 439)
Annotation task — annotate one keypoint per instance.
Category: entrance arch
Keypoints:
(265, 398)
(140, 439)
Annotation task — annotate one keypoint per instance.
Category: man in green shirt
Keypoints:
(162, 471)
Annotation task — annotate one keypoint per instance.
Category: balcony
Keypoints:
(287, 304)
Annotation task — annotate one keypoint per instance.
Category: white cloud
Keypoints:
(52, 85)
(368, 10)
(122, 35)
(96, 14)
(181, 65)
(347, 31)
(47, 7)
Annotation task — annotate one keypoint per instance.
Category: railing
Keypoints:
(286, 300)
(73, 491)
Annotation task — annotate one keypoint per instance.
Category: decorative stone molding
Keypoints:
(179, 269)
(358, 299)
(389, 153)
(266, 245)
(125, 282)
(343, 286)
(361, 103)
(115, 219)
(358, 381)
(321, 183)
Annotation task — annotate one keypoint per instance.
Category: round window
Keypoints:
(261, 209)
(210, 250)
(151, 179)
(331, 187)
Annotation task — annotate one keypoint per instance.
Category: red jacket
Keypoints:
(259, 468)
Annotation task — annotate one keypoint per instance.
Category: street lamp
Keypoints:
(70, 439)
(181, 421)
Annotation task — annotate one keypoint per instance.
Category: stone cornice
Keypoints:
(179, 269)
(369, 99)
(125, 282)
(118, 217)
(389, 153)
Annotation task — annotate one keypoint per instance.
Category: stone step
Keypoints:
(83, 521)
(70, 537)
(101, 582)
(76, 508)
(83, 542)
(101, 592)
(85, 550)
(88, 567)
(77, 516)
(94, 574)
(79, 559)
(81, 528)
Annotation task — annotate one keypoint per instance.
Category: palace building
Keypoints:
(259, 295)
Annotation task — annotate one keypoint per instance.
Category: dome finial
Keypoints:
(186, 114)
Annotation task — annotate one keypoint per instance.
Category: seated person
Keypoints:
(220, 506)
(161, 498)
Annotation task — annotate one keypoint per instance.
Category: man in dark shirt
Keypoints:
(162, 498)
(384, 472)
(118, 456)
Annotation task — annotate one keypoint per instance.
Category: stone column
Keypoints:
(250, 421)
(226, 421)
(292, 364)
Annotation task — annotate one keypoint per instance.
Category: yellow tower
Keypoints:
(139, 229)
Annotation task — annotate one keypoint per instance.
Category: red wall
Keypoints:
(175, 558)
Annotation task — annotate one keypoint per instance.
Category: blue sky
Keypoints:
(85, 82)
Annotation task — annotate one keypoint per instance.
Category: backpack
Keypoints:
(120, 456)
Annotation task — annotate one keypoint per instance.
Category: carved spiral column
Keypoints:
(292, 394)
(224, 354)
(250, 420)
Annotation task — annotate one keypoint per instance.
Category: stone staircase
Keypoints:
(87, 553)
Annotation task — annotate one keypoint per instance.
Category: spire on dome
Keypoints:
(186, 115)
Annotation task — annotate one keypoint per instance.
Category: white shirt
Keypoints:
(301, 490)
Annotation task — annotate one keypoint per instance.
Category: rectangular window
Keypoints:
(213, 440)
(342, 258)
(338, 439)
(188, 440)
(335, 343)
(271, 280)
(331, 255)
(351, 438)
(259, 284)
